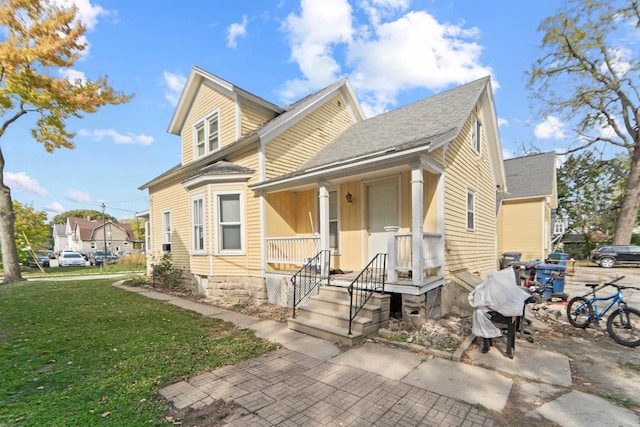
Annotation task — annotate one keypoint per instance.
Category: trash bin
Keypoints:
(508, 258)
(558, 258)
(543, 271)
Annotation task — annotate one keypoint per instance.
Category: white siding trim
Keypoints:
(243, 225)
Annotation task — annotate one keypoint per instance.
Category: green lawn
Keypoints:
(82, 353)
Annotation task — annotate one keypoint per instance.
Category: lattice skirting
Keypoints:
(280, 290)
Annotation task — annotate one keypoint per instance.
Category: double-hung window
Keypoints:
(334, 239)
(166, 227)
(476, 134)
(207, 135)
(471, 210)
(229, 222)
(197, 220)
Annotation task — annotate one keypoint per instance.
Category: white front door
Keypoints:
(382, 203)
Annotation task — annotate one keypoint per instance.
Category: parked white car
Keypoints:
(68, 259)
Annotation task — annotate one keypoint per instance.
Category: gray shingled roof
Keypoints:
(529, 176)
(407, 127)
(222, 167)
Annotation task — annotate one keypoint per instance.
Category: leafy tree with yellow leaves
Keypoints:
(39, 38)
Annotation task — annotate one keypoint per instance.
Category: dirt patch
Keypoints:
(212, 415)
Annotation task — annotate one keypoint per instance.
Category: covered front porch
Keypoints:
(286, 255)
(398, 211)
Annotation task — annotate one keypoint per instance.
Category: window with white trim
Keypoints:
(206, 135)
(166, 227)
(334, 237)
(197, 221)
(229, 222)
(476, 134)
(471, 210)
(147, 236)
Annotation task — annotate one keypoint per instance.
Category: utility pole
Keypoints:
(104, 232)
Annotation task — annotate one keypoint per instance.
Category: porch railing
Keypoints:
(401, 249)
(370, 280)
(309, 278)
(292, 250)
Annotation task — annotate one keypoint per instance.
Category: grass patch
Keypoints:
(622, 401)
(72, 352)
(632, 366)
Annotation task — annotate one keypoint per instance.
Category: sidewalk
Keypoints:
(313, 382)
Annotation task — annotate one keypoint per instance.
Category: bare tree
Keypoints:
(589, 75)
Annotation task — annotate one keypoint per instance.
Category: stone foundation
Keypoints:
(232, 289)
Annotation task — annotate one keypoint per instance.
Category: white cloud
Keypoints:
(118, 138)
(385, 55)
(312, 35)
(79, 196)
(235, 31)
(22, 182)
(73, 76)
(376, 10)
(174, 84)
(54, 207)
(88, 13)
(551, 128)
(619, 61)
(502, 122)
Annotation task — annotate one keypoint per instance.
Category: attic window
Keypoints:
(476, 134)
(206, 135)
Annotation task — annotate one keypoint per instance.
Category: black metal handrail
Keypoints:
(370, 280)
(309, 277)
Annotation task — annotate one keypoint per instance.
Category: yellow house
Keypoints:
(527, 213)
(263, 191)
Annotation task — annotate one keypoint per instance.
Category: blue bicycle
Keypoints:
(623, 325)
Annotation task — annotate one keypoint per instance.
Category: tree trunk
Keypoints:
(10, 261)
(630, 203)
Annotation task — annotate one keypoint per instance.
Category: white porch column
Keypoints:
(323, 195)
(392, 264)
(417, 214)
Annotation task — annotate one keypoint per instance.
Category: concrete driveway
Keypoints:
(574, 284)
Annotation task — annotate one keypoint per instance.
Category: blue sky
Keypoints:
(393, 51)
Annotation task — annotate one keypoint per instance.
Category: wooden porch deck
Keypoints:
(404, 284)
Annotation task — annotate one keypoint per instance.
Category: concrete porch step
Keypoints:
(322, 330)
(371, 311)
(327, 316)
(335, 318)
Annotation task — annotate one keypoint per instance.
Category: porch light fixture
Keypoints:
(349, 198)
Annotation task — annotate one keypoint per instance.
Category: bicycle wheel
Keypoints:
(579, 312)
(624, 326)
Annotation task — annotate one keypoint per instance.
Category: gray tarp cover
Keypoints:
(499, 293)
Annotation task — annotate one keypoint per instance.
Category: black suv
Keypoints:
(609, 256)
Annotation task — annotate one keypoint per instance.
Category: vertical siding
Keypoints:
(281, 214)
(465, 169)
(295, 146)
(351, 228)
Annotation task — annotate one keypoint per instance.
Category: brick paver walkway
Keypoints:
(287, 388)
